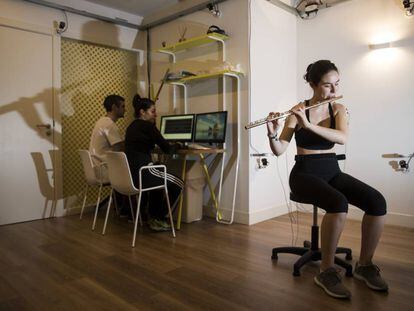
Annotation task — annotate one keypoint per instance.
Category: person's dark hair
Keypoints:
(316, 70)
(112, 100)
(141, 103)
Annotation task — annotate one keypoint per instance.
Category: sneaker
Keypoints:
(164, 224)
(370, 274)
(155, 225)
(330, 281)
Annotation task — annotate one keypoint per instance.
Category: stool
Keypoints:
(310, 250)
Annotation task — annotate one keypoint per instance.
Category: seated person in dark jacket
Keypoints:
(140, 139)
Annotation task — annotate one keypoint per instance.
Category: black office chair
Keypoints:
(310, 250)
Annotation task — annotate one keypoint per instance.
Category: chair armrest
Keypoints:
(100, 166)
(162, 168)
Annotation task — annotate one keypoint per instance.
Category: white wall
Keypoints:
(80, 27)
(273, 88)
(376, 84)
(378, 90)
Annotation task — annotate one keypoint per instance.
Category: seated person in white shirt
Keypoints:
(106, 135)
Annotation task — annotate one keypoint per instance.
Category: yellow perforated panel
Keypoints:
(90, 73)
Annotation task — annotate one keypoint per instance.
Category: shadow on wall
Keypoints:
(30, 109)
(49, 180)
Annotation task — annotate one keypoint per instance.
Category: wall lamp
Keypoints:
(378, 46)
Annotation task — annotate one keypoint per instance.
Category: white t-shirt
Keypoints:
(105, 134)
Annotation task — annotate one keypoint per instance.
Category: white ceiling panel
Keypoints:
(137, 7)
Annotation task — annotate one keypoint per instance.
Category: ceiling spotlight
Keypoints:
(308, 9)
(311, 7)
(214, 9)
(409, 7)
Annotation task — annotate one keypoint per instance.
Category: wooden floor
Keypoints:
(60, 264)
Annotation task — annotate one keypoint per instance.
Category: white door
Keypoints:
(26, 112)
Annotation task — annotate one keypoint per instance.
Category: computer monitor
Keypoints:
(210, 127)
(177, 127)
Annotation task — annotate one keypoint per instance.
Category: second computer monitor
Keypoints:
(210, 127)
(177, 127)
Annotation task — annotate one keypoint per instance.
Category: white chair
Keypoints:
(121, 180)
(92, 180)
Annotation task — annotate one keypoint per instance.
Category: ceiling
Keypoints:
(137, 7)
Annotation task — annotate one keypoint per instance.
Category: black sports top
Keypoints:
(140, 139)
(309, 140)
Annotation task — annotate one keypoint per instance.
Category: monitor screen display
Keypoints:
(211, 127)
(177, 127)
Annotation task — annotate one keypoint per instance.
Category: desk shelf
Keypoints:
(193, 42)
(197, 78)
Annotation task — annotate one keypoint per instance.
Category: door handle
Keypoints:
(46, 126)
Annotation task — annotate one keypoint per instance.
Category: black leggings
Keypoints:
(317, 179)
(158, 208)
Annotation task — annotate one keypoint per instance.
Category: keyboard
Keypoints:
(197, 146)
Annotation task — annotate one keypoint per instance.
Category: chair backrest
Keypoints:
(46, 189)
(88, 169)
(119, 173)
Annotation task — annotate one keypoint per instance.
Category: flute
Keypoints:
(287, 113)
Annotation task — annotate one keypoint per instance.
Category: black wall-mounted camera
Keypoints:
(61, 25)
(403, 164)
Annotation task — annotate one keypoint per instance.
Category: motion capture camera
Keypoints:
(262, 163)
(403, 164)
(213, 8)
(61, 27)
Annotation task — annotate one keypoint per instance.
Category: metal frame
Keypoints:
(185, 96)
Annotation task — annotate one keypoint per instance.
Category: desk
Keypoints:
(200, 153)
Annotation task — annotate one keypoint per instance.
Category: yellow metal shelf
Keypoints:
(206, 76)
(193, 42)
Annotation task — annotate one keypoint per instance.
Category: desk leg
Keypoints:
(210, 187)
(180, 206)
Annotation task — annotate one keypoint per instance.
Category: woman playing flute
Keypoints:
(316, 177)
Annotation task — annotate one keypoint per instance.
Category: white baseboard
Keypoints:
(77, 209)
(243, 217)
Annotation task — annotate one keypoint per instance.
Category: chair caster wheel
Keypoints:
(274, 256)
(348, 272)
(296, 273)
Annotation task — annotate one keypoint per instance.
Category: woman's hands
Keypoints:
(299, 111)
(273, 126)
